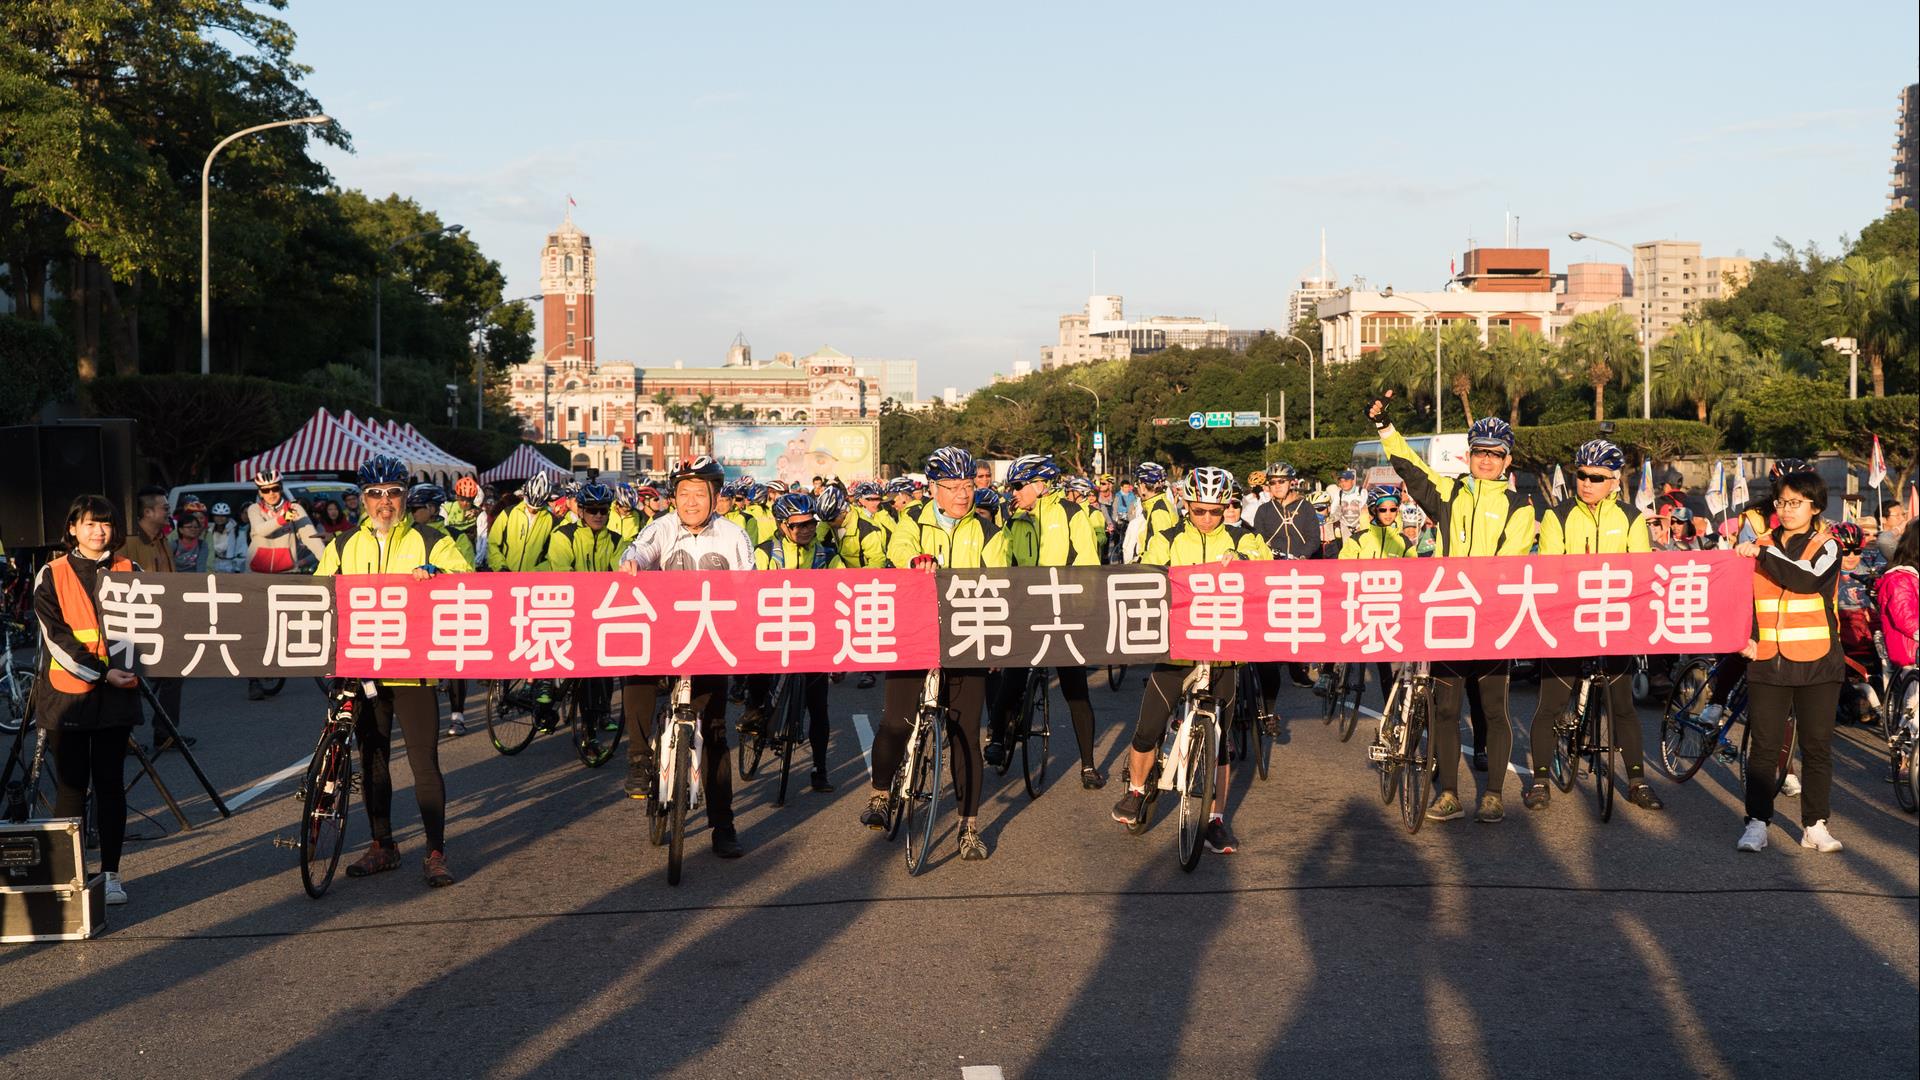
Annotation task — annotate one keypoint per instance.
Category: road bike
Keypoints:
(1252, 730)
(326, 792)
(1340, 687)
(1583, 738)
(784, 729)
(1689, 735)
(1032, 729)
(16, 682)
(1401, 745)
(591, 709)
(914, 798)
(515, 714)
(676, 779)
(1187, 765)
(1900, 718)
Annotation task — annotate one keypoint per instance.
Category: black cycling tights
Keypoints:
(639, 699)
(1163, 693)
(1450, 685)
(1073, 686)
(96, 759)
(962, 693)
(418, 709)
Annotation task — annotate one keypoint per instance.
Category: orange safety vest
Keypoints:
(1791, 624)
(76, 607)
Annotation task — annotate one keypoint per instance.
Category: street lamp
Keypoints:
(1099, 452)
(1646, 338)
(479, 367)
(1850, 348)
(1438, 401)
(1311, 425)
(546, 388)
(377, 269)
(206, 311)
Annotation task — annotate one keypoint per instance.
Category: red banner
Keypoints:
(1318, 610)
(487, 626)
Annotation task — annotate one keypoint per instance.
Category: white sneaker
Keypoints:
(1791, 788)
(1817, 837)
(117, 894)
(1754, 838)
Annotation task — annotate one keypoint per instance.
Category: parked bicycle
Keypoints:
(1900, 719)
(16, 681)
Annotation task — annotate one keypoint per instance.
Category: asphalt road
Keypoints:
(1332, 944)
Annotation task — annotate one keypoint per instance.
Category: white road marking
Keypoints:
(981, 1072)
(864, 729)
(266, 784)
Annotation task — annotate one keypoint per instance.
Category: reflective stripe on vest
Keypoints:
(1790, 624)
(77, 610)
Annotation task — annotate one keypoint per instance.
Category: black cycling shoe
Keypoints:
(875, 815)
(1643, 797)
(1479, 761)
(995, 753)
(639, 783)
(752, 720)
(1127, 810)
(820, 781)
(726, 843)
(1092, 779)
(1537, 797)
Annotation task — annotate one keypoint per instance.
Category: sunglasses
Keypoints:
(1202, 512)
(1591, 478)
(1482, 451)
(1385, 510)
(274, 488)
(384, 493)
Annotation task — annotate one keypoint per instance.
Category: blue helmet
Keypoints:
(832, 502)
(382, 469)
(865, 489)
(1151, 472)
(595, 494)
(1079, 485)
(987, 499)
(1491, 433)
(794, 504)
(425, 497)
(1030, 467)
(626, 494)
(900, 485)
(949, 463)
(1382, 493)
(1599, 453)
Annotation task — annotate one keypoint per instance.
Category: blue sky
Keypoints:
(910, 181)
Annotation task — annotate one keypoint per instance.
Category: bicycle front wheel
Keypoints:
(1599, 727)
(1195, 790)
(678, 798)
(1390, 762)
(1414, 757)
(19, 695)
(1564, 766)
(326, 795)
(923, 792)
(1685, 741)
(1355, 686)
(1038, 708)
(789, 713)
(509, 715)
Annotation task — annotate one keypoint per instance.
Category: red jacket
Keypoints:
(1898, 593)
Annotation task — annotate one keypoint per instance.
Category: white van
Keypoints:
(1445, 454)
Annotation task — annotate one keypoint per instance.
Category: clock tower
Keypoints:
(566, 288)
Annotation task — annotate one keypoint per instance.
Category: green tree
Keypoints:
(1894, 236)
(1404, 364)
(1521, 363)
(1869, 298)
(1464, 363)
(1599, 348)
(1696, 365)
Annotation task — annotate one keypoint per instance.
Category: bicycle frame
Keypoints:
(1197, 692)
(682, 726)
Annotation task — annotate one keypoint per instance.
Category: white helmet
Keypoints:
(221, 509)
(1208, 484)
(266, 478)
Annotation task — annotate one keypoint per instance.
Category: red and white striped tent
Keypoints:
(423, 458)
(521, 464)
(323, 444)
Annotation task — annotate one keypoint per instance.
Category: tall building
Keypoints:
(564, 394)
(1498, 289)
(566, 290)
(1906, 150)
(899, 379)
(1103, 332)
(1316, 284)
(1671, 280)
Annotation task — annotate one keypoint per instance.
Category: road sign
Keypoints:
(1246, 419)
(1219, 419)
(1099, 440)
(1163, 421)
(1196, 420)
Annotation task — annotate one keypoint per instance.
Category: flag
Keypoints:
(570, 201)
(1559, 488)
(1717, 489)
(1877, 472)
(1913, 502)
(1644, 500)
(1740, 494)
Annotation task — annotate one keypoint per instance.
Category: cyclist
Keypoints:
(387, 541)
(1382, 538)
(1043, 531)
(796, 545)
(1156, 511)
(863, 539)
(693, 537)
(424, 503)
(1591, 521)
(624, 518)
(1796, 666)
(1478, 514)
(279, 533)
(1349, 500)
(759, 508)
(1079, 497)
(1289, 527)
(653, 504)
(732, 506)
(591, 545)
(518, 537)
(466, 521)
(945, 533)
(1201, 539)
(228, 540)
(898, 506)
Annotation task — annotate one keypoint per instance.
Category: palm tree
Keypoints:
(1598, 346)
(1695, 365)
(1404, 363)
(1463, 363)
(1520, 362)
(1867, 295)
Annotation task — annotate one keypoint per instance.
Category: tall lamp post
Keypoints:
(378, 272)
(546, 388)
(1438, 401)
(206, 310)
(1312, 425)
(480, 368)
(1646, 337)
(1099, 453)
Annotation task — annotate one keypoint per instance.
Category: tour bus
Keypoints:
(1445, 454)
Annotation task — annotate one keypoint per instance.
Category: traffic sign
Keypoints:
(1163, 421)
(1246, 419)
(1196, 420)
(1099, 440)
(1219, 419)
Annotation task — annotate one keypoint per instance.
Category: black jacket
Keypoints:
(102, 707)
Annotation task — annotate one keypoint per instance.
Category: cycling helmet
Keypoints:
(1348, 474)
(1208, 485)
(1257, 479)
(1850, 537)
(1491, 433)
(648, 491)
(192, 504)
(1783, 466)
(987, 499)
(626, 495)
(794, 505)
(1151, 472)
(900, 485)
(425, 495)
(949, 463)
(1280, 470)
(865, 489)
(222, 510)
(773, 487)
(1600, 454)
(700, 468)
(382, 469)
(1321, 500)
(832, 502)
(1681, 516)
(1030, 467)
(467, 488)
(537, 488)
(267, 478)
(1382, 493)
(1080, 485)
(596, 496)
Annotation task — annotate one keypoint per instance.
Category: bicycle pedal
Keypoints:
(1378, 753)
(283, 842)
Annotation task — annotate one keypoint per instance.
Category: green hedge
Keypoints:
(1539, 449)
(194, 427)
(35, 367)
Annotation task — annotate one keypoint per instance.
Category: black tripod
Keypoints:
(164, 723)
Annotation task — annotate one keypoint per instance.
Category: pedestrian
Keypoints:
(332, 519)
(188, 546)
(228, 539)
(1893, 522)
(87, 707)
(150, 547)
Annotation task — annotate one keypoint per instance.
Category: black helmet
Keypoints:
(425, 496)
(700, 468)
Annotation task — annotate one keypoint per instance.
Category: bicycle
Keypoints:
(515, 714)
(1033, 730)
(1252, 738)
(1585, 730)
(1186, 765)
(675, 783)
(914, 797)
(326, 792)
(1900, 717)
(1401, 743)
(784, 729)
(591, 710)
(16, 683)
(1688, 739)
(1342, 686)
